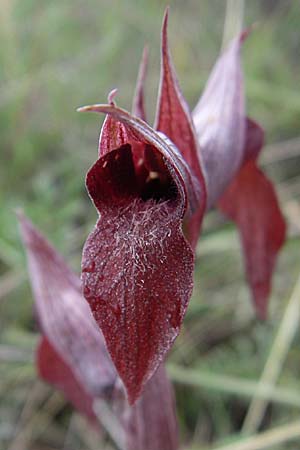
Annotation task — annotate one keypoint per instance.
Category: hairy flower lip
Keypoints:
(137, 275)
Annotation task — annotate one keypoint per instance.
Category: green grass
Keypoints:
(58, 55)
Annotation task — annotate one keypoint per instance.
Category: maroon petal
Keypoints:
(53, 369)
(113, 133)
(138, 104)
(64, 314)
(219, 119)
(137, 266)
(151, 424)
(251, 202)
(174, 120)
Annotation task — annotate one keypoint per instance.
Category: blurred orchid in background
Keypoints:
(71, 354)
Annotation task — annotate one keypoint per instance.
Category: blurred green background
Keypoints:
(60, 54)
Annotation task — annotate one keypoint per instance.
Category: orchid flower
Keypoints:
(72, 355)
(137, 267)
(151, 187)
(230, 144)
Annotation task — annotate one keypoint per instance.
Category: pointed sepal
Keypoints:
(219, 119)
(173, 118)
(138, 103)
(251, 202)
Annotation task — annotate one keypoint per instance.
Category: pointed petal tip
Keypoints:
(83, 108)
(247, 31)
(145, 60)
(28, 232)
(244, 34)
(173, 118)
(93, 108)
(111, 96)
(145, 57)
(164, 30)
(134, 392)
(138, 103)
(146, 50)
(239, 38)
(100, 107)
(166, 17)
(25, 226)
(145, 54)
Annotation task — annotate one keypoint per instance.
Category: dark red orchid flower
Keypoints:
(72, 355)
(151, 187)
(230, 144)
(137, 265)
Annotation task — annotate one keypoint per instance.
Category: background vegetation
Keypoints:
(235, 377)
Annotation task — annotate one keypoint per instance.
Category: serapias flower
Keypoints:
(151, 187)
(137, 265)
(230, 144)
(72, 355)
